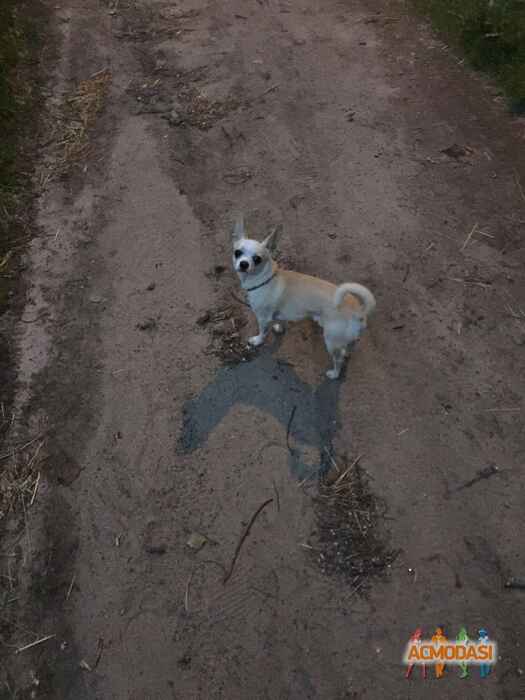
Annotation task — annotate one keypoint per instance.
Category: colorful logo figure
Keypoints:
(416, 639)
(463, 638)
(483, 638)
(438, 639)
(438, 651)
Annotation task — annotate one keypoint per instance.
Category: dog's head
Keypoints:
(251, 258)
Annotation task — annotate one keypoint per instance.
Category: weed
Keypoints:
(492, 35)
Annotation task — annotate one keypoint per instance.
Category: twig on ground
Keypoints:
(34, 644)
(467, 239)
(70, 589)
(35, 490)
(518, 315)
(485, 473)
(99, 652)
(332, 460)
(356, 588)
(35, 455)
(346, 471)
(518, 184)
(278, 500)
(270, 89)
(187, 592)
(477, 283)
(15, 450)
(290, 420)
(308, 477)
(243, 537)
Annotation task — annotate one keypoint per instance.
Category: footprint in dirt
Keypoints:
(309, 415)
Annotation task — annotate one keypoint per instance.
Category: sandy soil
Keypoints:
(331, 118)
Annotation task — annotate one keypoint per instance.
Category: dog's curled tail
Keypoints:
(364, 295)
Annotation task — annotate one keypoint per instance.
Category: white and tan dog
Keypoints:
(280, 295)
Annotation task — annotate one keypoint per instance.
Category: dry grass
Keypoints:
(70, 127)
(349, 537)
(81, 111)
(19, 476)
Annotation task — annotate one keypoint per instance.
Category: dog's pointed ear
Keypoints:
(270, 242)
(238, 229)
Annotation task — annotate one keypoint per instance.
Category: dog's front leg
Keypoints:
(264, 320)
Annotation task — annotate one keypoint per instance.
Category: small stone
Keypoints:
(196, 541)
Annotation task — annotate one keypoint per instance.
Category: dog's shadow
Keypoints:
(309, 415)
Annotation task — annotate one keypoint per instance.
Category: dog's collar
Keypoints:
(258, 286)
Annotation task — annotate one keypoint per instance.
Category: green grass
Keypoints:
(491, 35)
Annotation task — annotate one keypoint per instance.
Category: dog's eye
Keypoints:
(257, 260)
(238, 253)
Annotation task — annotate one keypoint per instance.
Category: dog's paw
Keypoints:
(255, 340)
(332, 374)
(278, 328)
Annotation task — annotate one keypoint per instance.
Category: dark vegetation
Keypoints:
(491, 34)
(22, 26)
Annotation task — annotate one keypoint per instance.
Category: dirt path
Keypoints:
(332, 118)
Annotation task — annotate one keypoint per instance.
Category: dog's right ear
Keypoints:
(270, 241)
(238, 229)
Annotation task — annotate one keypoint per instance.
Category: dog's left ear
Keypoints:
(238, 229)
(270, 242)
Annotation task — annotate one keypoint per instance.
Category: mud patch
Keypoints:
(189, 107)
(139, 23)
(199, 111)
(349, 540)
(171, 94)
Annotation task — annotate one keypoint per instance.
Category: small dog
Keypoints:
(281, 295)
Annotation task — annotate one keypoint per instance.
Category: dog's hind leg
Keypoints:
(338, 357)
(336, 347)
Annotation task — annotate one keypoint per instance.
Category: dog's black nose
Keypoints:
(244, 265)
